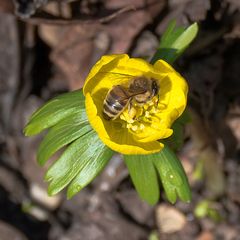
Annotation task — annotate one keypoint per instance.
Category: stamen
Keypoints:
(132, 113)
(138, 116)
(134, 128)
(147, 114)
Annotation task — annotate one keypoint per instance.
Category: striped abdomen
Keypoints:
(115, 102)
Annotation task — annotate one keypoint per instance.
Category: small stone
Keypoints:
(40, 195)
(169, 219)
(38, 213)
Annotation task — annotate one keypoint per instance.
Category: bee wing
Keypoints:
(125, 81)
(117, 73)
(133, 94)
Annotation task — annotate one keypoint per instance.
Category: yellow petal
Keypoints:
(163, 67)
(151, 134)
(173, 93)
(173, 89)
(102, 63)
(126, 144)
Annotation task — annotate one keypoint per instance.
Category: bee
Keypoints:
(140, 89)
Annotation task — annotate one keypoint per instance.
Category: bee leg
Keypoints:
(157, 99)
(132, 111)
(129, 107)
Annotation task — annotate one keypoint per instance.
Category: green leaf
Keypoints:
(144, 176)
(63, 133)
(201, 209)
(74, 159)
(174, 41)
(172, 175)
(153, 235)
(207, 208)
(54, 111)
(90, 170)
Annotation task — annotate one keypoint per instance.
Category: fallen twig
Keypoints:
(46, 18)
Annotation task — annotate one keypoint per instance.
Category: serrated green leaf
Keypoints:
(144, 176)
(54, 111)
(172, 175)
(90, 170)
(63, 133)
(72, 161)
(174, 41)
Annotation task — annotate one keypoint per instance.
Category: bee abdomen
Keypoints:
(112, 109)
(114, 103)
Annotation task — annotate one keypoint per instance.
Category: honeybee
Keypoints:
(140, 89)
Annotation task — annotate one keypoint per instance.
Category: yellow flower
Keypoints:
(140, 126)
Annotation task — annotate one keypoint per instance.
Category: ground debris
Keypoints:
(137, 209)
(48, 47)
(9, 232)
(26, 8)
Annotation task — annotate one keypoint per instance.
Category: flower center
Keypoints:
(137, 116)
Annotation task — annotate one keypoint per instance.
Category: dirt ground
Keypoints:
(48, 47)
